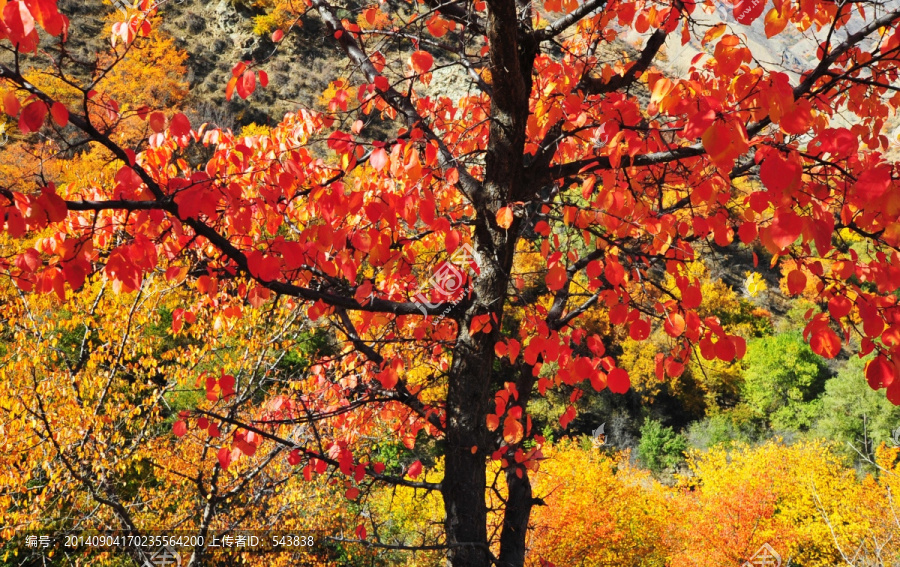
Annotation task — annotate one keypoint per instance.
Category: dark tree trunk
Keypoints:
(515, 518)
(469, 393)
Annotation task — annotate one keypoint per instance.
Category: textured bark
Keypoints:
(469, 391)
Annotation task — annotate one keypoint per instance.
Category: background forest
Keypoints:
(112, 405)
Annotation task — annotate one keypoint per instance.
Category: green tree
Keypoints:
(660, 447)
(851, 414)
(783, 380)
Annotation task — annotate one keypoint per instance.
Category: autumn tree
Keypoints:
(394, 217)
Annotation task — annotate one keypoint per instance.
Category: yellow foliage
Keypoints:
(599, 511)
(755, 284)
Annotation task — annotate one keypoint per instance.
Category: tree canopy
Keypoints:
(483, 209)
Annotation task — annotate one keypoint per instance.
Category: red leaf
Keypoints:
(839, 306)
(796, 282)
(674, 325)
(246, 84)
(32, 117)
(263, 79)
(786, 228)
(60, 114)
(825, 342)
(53, 205)
(746, 11)
(880, 373)
(873, 183)
(294, 457)
(618, 381)
(893, 393)
(224, 457)
(18, 21)
(779, 173)
(180, 125)
(725, 350)
(179, 428)
(422, 61)
(556, 278)
(157, 122)
(566, 418)
(277, 36)
(451, 241)
(351, 493)
(414, 469)
(639, 330)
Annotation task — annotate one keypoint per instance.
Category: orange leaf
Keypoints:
(674, 325)
(505, 217)
(512, 430)
(776, 21)
(229, 88)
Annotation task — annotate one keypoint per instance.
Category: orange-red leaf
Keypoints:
(512, 430)
(639, 330)
(556, 278)
(246, 84)
(32, 117)
(379, 159)
(422, 61)
(505, 217)
(880, 372)
(618, 381)
(796, 282)
(776, 21)
(60, 114)
(746, 11)
(825, 342)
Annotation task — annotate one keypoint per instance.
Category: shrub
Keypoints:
(660, 447)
